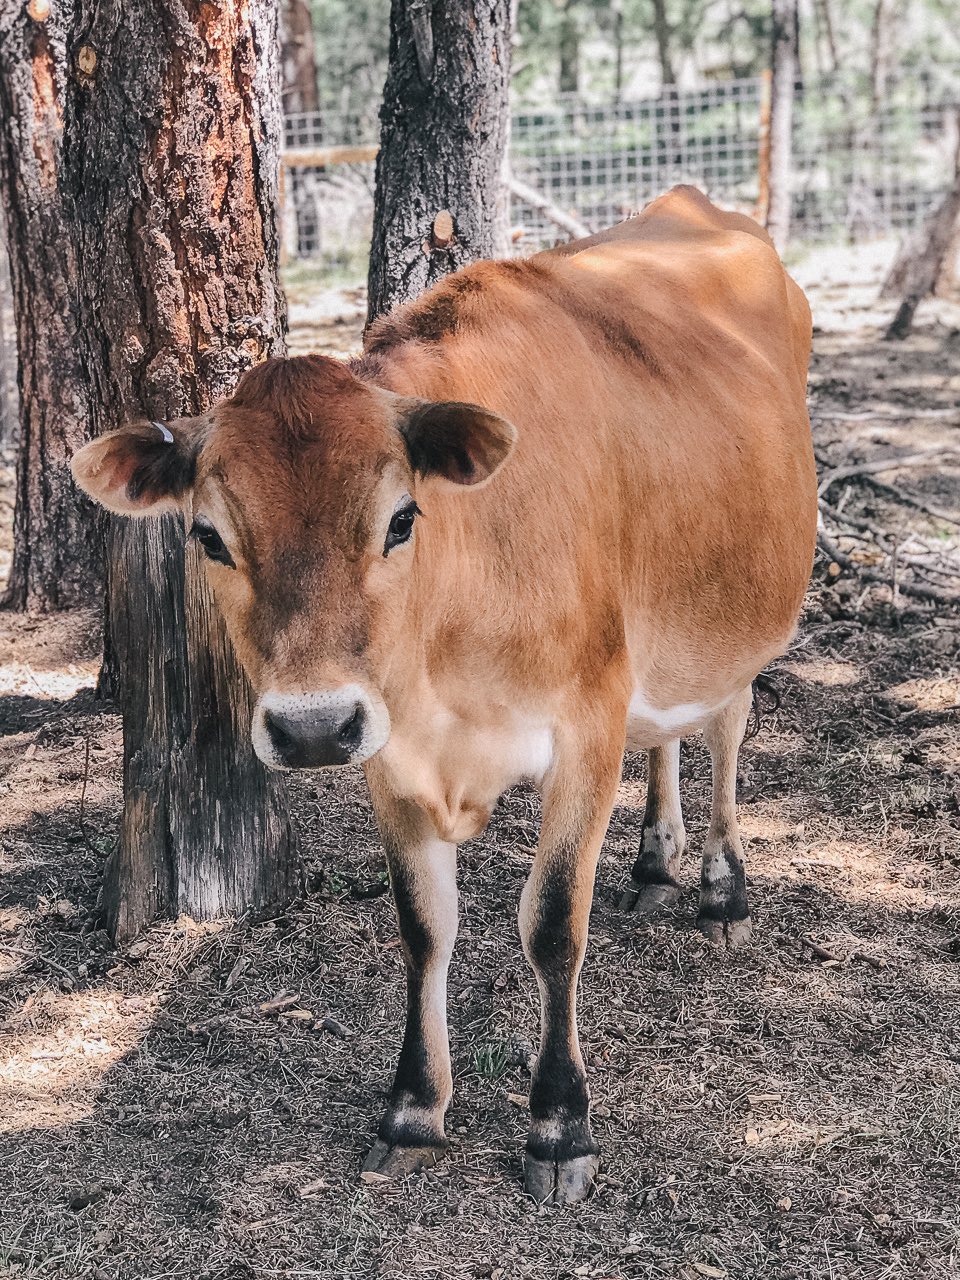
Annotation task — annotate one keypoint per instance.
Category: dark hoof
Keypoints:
(398, 1162)
(648, 900)
(726, 933)
(560, 1181)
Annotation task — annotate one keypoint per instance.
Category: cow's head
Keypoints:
(303, 492)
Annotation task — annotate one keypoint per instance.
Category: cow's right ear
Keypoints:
(144, 469)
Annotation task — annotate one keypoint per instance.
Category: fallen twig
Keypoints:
(820, 953)
(919, 590)
(36, 955)
(894, 415)
(873, 465)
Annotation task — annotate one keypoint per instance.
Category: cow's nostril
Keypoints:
(351, 731)
(282, 739)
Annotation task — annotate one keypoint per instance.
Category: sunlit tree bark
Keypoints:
(170, 158)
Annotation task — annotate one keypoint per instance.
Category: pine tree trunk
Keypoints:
(57, 556)
(784, 71)
(439, 200)
(170, 156)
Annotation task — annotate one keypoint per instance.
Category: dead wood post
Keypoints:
(439, 200)
(171, 141)
(919, 268)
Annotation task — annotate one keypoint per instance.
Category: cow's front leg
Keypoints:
(423, 879)
(561, 1156)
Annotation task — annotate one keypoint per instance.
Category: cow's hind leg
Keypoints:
(724, 915)
(423, 879)
(655, 881)
(561, 1156)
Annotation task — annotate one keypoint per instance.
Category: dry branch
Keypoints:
(540, 204)
(874, 465)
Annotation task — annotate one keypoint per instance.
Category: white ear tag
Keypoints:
(164, 431)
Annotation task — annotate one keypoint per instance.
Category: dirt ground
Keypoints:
(781, 1111)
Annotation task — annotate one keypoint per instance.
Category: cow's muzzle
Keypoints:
(319, 729)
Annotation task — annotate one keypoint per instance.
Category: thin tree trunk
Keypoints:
(57, 555)
(783, 76)
(298, 57)
(170, 156)
(569, 76)
(300, 95)
(879, 53)
(661, 30)
(825, 28)
(618, 41)
(439, 193)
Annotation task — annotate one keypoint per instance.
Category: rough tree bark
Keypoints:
(57, 556)
(170, 156)
(439, 200)
(783, 75)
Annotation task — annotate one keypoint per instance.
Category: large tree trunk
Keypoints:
(784, 70)
(57, 556)
(439, 200)
(170, 156)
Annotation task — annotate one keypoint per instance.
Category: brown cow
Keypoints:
(459, 603)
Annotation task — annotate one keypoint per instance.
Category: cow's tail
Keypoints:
(766, 700)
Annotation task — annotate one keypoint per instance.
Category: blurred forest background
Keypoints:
(615, 100)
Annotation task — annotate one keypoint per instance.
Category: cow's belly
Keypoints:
(651, 726)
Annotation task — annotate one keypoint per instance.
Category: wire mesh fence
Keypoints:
(859, 169)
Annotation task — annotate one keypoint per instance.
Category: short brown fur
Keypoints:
(619, 580)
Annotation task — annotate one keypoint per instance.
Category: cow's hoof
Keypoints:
(398, 1162)
(560, 1181)
(726, 933)
(648, 900)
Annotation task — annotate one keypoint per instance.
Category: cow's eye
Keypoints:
(211, 542)
(401, 526)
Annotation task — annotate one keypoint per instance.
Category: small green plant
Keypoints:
(491, 1059)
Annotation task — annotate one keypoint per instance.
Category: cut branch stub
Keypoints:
(442, 233)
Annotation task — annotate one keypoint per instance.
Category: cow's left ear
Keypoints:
(463, 443)
(144, 469)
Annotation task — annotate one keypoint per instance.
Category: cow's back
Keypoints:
(656, 374)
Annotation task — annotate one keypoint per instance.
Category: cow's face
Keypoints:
(304, 492)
